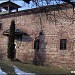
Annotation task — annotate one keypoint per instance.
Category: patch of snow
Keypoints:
(19, 72)
(2, 72)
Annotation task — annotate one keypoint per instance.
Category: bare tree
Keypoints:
(48, 1)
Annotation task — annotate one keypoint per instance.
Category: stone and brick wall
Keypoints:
(56, 24)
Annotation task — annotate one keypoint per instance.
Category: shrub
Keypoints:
(11, 45)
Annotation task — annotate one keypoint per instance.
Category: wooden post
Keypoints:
(17, 9)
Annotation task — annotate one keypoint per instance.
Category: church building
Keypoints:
(47, 32)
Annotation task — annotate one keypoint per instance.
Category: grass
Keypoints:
(43, 70)
(6, 66)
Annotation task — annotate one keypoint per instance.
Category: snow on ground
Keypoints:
(19, 72)
(2, 72)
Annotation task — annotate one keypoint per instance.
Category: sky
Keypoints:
(25, 6)
(21, 3)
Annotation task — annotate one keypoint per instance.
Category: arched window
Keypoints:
(0, 25)
(36, 44)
